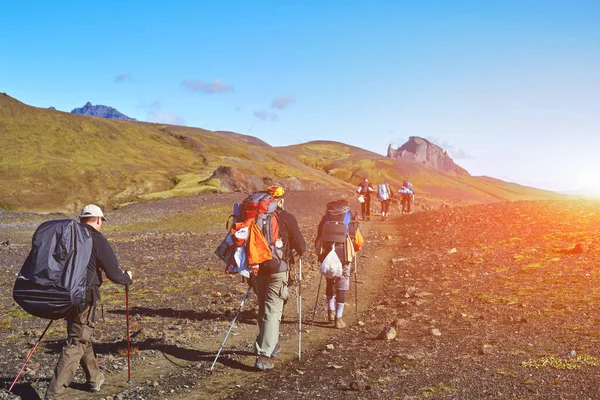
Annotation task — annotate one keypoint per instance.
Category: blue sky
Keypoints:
(510, 88)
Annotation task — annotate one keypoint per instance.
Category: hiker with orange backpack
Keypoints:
(271, 283)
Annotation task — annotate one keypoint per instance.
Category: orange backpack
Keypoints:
(262, 243)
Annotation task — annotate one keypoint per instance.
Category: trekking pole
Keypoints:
(356, 285)
(128, 337)
(300, 308)
(30, 354)
(229, 330)
(316, 301)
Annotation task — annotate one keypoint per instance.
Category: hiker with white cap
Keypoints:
(78, 349)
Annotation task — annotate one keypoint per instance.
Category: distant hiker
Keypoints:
(78, 349)
(408, 195)
(365, 189)
(333, 236)
(271, 284)
(385, 197)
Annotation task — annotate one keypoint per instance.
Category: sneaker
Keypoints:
(99, 385)
(263, 363)
(331, 315)
(339, 324)
(276, 351)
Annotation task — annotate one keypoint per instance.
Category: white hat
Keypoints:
(92, 210)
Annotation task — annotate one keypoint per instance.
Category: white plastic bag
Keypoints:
(239, 263)
(331, 266)
(361, 199)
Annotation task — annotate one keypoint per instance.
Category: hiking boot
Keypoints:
(276, 351)
(331, 315)
(339, 324)
(263, 363)
(98, 385)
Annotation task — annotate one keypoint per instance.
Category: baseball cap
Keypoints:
(92, 210)
(276, 191)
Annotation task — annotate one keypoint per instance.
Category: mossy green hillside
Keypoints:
(56, 161)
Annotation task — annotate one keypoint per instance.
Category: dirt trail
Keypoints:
(181, 305)
(180, 371)
(230, 376)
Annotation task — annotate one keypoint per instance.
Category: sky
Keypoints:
(511, 89)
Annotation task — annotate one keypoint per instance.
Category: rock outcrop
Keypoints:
(422, 151)
(101, 111)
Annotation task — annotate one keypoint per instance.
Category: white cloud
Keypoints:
(265, 115)
(215, 86)
(123, 78)
(456, 154)
(165, 118)
(282, 102)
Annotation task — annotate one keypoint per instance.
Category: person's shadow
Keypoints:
(23, 390)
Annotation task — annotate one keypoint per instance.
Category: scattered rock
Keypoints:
(571, 353)
(388, 333)
(400, 323)
(436, 332)
(452, 250)
(579, 248)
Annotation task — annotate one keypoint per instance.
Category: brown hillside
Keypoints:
(56, 161)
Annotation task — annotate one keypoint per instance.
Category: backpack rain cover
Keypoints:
(52, 282)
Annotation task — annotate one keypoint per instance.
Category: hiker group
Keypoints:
(63, 272)
(386, 196)
(262, 244)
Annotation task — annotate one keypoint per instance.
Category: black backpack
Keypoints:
(52, 282)
(335, 229)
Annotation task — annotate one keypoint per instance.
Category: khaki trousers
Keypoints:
(77, 351)
(271, 291)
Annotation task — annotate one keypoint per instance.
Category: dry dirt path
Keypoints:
(229, 377)
(185, 368)
(180, 336)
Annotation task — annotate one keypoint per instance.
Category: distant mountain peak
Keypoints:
(101, 111)
(430, 155)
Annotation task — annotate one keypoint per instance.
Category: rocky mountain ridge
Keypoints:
(101, 111)
(422, 151)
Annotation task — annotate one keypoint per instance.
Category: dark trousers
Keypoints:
(385, 206)
(365, 208)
